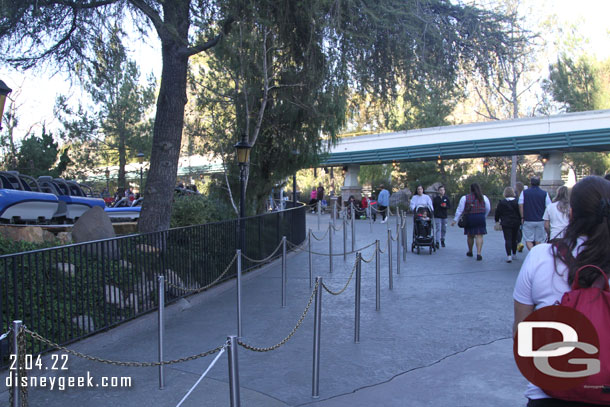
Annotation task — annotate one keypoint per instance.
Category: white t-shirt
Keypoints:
(540, 285)
(559, 220)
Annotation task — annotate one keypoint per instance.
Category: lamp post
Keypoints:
(140, 156)
(107, 173)
(4, 91)
(243, 156)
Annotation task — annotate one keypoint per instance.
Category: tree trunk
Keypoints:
(122, 182)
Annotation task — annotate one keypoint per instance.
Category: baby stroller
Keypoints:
(423, 231)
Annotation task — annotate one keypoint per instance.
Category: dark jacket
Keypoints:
(507, 213)
(440, 211)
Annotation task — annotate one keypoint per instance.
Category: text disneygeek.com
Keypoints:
(64, 382)
(57, 362)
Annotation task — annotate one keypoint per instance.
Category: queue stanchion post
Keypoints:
(344, 241)
(15, 373)
(238, 282)
(161, 282)
(390, 274)
(357, 299)
(333, 201)
(398, 254)
(233, 371)
(405, 245)
(319, 207)
(370, 215)
(330, 246)
(283, 271)
(317, 326)
(310, 259)
(353, 212)
(377, 277)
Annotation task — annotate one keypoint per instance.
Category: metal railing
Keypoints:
(69, 292)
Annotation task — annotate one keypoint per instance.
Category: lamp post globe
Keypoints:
(4, 91)
(242, 150)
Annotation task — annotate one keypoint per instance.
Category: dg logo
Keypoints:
(556, 348)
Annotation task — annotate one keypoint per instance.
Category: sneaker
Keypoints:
(469, 254)
(509, 259)
(442, 243)
(520, 247)
(479, 257)
(437, 246)
(384, 221)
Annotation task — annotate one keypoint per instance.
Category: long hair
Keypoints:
(590, 203)
(563, 199)
(475, 189)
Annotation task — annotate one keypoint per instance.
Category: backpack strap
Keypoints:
(576, 286)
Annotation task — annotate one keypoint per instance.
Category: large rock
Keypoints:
(401, 197)
(92, 225)
(68, 269)
(114, 295)
(84, 323)
(433, 189)
(64, 237)
(95, 225)
(31, 234)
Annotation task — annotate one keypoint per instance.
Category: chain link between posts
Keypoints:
(328, 290)
(72, 352)
(290, 335)
(299, 248)
(265, 259)
(197, 290)
(323, 237)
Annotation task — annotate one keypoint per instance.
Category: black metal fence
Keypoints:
(69, 292)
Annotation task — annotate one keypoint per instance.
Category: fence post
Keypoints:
(357, 300)
(333, 201)
(319, 204)
(233, 371)
(283, 271)
(330, 245)
(317, 325)
(387, 214)
(370, 215)
(391, 277)
(15, 372)
(344, 240)
(161, 290)
(239, 334)
(309, 245)
(398, 254)
(377, 277)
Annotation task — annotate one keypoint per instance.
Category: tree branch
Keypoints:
(203, 46)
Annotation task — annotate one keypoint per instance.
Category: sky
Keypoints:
(39, 90)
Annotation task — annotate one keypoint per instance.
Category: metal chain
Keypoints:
(372, 258)
(265, 259)
(328, 290)
(337, 229)
(118, 362)
(296, 247)
(334, 254)
(322, 238)
(197, 290)
(290, 335)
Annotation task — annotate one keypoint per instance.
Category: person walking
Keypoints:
(313, 199)
(383, 201)
(532, 203)
(440, 205)
(557, 215)
(550, 269)
(519, 187)
(320, 195)
(507, 213)
(475, 206)
(420, 199)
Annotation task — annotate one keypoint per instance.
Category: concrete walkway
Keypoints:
(441, 338)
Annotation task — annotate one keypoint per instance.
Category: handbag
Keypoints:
(497, 227)
(462, 223)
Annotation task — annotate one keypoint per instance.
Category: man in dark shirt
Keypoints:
(441, 204)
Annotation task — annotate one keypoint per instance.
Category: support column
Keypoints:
(551, 177)
(351, 185)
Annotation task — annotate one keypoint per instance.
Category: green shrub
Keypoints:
(8, 246)
(198, 209)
